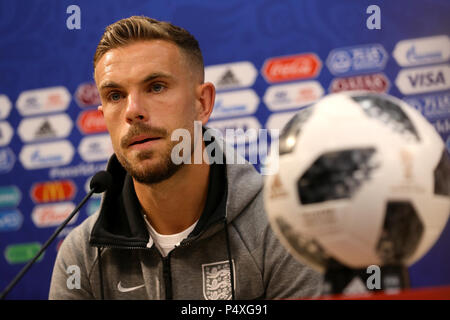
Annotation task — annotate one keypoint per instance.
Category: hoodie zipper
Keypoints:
(167, 276)
(167, 272)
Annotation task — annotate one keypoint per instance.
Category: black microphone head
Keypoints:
(101, 181)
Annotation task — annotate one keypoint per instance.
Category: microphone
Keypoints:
(100, 182)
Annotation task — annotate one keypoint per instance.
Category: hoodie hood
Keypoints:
(231, 188)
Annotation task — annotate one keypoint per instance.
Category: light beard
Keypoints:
(154, 173)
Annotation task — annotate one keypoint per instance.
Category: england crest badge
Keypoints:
(217, 280)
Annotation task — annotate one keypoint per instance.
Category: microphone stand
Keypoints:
(44, 247)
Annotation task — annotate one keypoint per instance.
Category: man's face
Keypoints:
(148, 90)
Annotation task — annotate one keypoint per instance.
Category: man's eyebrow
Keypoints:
(109, 84)
(150, 77)
(156, 75)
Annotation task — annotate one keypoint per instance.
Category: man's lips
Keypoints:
(141, 140)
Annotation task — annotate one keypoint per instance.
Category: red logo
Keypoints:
(51, 191)
(91, 121)
(87, 95)
(54, 99)
(370, 82)
(49, 215)
(301, 66)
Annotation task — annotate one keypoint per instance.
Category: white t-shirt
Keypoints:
(166, 243)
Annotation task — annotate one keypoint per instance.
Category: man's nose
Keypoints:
(136, 109)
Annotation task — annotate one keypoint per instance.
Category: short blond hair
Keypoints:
(141, 28)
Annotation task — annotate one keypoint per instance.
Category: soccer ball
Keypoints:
(363, 179)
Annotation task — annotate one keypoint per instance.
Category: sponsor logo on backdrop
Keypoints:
(423, 79)
(357, 59)
(46, 100)
(91, 121)
(52, 191)
(442, 126)
(235, 103)
(278, 121)
(376, 82)
(288, 68)
(293, 95)
(432, 106)
(51, 215)
(243, 124)
(231, 75)
(22, 252)
(46, 155)
(10, 220)
(44, 128)
(6, 133)
(82, 169)
(10, 196)
(7, 160)
(87, 95)
(5, 106)
(428, 50)
(95, 148)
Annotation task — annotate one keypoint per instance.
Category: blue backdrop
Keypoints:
(52, 140)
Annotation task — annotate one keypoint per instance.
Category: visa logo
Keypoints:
(423, 79)
(428, 79)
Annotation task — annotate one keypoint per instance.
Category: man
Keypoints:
(169, 230)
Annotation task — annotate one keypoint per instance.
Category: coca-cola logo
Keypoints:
(289, 68)
(91, 121)
(87, 95)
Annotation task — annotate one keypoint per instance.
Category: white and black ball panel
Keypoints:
(401, 233)
(387, 112)
(335, 175)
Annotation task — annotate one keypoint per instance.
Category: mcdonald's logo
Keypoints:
(52, 191)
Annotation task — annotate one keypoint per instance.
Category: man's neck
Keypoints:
(174, 204)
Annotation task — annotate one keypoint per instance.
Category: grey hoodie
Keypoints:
(110, 254)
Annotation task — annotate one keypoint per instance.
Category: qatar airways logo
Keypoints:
(258, 147)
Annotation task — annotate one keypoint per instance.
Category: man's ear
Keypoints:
(206, 95)
(100, 108)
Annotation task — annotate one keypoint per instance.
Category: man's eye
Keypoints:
(157, 87)
(115, 96)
